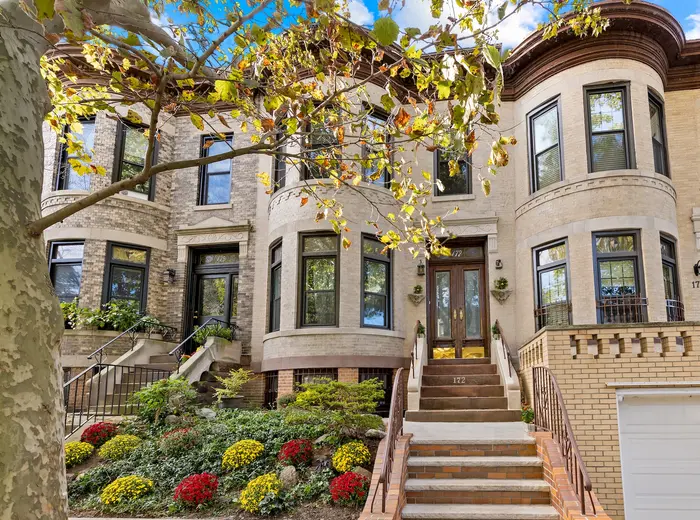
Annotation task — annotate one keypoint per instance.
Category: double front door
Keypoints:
(458, 326)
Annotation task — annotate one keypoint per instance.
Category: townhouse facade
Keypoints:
(594, 223)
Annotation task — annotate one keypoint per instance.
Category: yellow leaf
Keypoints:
(197, 121)
(346, 243)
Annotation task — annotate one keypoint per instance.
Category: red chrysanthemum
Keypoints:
(196, 489)
(349, 489)
(99, 433)
(296, 452)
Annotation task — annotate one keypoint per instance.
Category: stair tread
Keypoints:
(472, 415)
(474, 441)
(474, 461)
(475, 484)
(478, 512)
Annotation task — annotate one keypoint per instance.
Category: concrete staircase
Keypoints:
(207, 384)
(462, 390)
(475, 472)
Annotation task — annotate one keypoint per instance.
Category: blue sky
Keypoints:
(518, 26)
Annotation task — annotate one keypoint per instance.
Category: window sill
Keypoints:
(213, 207)
(453, 198)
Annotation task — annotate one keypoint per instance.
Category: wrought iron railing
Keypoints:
(554, 314)
(179, 351)
(506, 350)
(418, 329)
(675, 311)
(144, 325)
(551, 416)
(622, 309)
(394, 431)
(104, 390)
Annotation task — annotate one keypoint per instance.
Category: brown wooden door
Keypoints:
(458, 326)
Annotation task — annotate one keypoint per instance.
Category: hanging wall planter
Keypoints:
(501, 295)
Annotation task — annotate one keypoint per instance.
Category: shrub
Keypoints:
(77, 452)
(285, 400)
(350, 455)
(527, 414)
(164, 397)
(178, 442)
(296, 452)
(119, 447)
(126, 489)
(121, 314)
(242, 453)
(257, 489)
(345, 408)
(99, 433)
(218, 330)
(196, 489)
(233, 383)
(349, 489)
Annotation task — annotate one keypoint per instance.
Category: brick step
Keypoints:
(170, 366)
(474, 448)
(463, 391)
(163, 358)
(465, 380)
(466, 361)
(464, 403)
(478, 512)
(475, 467)
(459, 370)
(463, 416)
(477, 491)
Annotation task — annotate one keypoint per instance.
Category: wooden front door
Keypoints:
(457, 306)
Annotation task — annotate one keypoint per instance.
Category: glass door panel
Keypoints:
(212, 295)
(472, 304)
(444, 348)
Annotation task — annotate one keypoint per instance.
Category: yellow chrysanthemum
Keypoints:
(257, 489)
(242, 453)
(119, 447)
(77, 452)
(350, 455)
(126, 488)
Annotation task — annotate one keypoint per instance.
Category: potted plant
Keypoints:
(495, 331)
(418, 289)
(420, 330)
(228, 395)
(501, 284)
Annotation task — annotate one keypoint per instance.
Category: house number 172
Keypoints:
(696, 284)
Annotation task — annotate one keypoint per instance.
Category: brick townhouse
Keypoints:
(594, 223)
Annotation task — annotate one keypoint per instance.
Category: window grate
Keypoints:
(271, 381)
(310, 375)
(385, 375)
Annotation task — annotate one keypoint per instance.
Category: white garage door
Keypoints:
(660, 451)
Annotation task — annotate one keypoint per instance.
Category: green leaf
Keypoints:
(225, 89)
(387, 102)
(385, 31)
(486, 187)
(197, 121)
(131, 39)
(44, 9)
(492, 56)
(444, 88)
(502, 10)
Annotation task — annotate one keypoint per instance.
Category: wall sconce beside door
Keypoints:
(421, 268)
(168, 276)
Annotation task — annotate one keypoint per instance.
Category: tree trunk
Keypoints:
(32, 471)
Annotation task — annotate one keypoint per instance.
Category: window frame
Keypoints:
(66, 261)
(671, 262)
(119, 156)
(655, 99)
(532, 159)
(62, 162)
(301, 262)
(279, 165)
(378, 113)
(636, 256)
(109, 262)
(387, 260)
(436, 171)
(306, 171)
(628, 131)
(274, 266)
(204, 173)
(537, 269)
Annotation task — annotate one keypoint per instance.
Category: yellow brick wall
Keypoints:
(585, 360)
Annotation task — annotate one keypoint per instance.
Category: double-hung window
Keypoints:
(658, 134)
(545, 146)
(377, 149)
(127, 274)
(617, 261)
(321, 151)
(275, 286)
(130, 159)
(610, 144)
(552, 285)
(279, 164)
(453, 172)
(215, 178)
(376, 284)
(319, 280)
(66, 269)
(674, 307)
(68, 178)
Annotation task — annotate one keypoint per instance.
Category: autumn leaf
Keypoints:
(385, 30)
(44, 9)
(346, 243)
(197, 121)
(223, 121)
(304, 201)
(402, 118)
(340, 135)
(267, 124)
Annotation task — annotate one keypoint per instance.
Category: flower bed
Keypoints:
(297, 452)
(99, 433)
(196, 489)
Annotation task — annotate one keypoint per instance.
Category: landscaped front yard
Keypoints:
(309, 460)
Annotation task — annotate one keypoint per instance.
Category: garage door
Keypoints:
(660, 452)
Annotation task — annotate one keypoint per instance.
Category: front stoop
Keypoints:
(478, 512)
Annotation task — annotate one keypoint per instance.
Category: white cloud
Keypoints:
(359, 13)
(694, 32)
(510, 32)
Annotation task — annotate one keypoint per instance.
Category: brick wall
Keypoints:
(585, 360)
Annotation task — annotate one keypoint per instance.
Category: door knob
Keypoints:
(454, 314)
(461, 314)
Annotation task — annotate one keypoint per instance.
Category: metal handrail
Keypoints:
(414, 352)
(551, 416)
(177, 351)
(131, 330)
(392, 436)
(506, 350)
